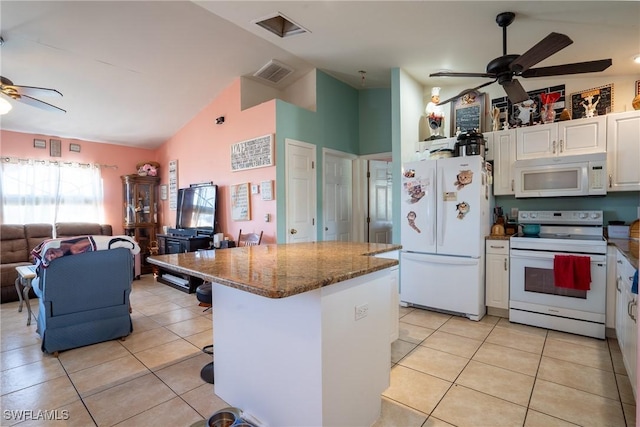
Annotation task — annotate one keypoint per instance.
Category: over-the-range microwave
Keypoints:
(583, 175)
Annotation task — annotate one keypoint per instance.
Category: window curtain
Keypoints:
(37, 191)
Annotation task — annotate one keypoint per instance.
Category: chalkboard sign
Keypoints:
(468, 113)
(601, 96)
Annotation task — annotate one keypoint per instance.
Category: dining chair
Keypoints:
(249, 239)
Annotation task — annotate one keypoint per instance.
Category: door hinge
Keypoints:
(368, 220)
(313, 221)
(368, 174)
(313, 164)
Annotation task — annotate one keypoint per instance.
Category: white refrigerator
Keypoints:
(445, 218)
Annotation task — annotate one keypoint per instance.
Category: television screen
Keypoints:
(197, 208)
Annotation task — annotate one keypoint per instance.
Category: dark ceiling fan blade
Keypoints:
(453, 74)
(39, 104)
(577, 68)
(36, 91)
(546, 47)
(466, 91)
(515, 91)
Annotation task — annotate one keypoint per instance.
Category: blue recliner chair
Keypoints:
(84, 299)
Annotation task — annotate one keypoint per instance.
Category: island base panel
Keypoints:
(305, 359)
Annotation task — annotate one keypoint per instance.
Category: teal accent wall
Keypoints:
(620, 206)
(375, 121)
(334, 125)
(396, 145)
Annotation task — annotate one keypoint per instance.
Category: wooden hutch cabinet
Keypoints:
(140, 213)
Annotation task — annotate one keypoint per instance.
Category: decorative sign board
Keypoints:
(468, 113)
(173, 185)
(601, 96)
(266, 187)
(251, 154)
(240, 202)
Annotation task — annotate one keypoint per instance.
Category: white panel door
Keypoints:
(338, 197)
(301, 191)
(380, 210)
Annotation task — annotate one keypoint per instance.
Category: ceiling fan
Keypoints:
(26, 94)
(504, 68)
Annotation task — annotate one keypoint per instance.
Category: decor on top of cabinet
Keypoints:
(148, 168)
(435, 114)
(548, 112)
(529, 112)
(592, 102)
(467, 112)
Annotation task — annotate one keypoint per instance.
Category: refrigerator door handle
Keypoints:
(438, 259)
(431, 209)
(441, 218)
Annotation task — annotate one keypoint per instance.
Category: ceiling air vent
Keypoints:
(280, 25)
(273, 72)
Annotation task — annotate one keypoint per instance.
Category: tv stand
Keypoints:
(176, 243)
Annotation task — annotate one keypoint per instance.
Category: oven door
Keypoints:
(532, 282)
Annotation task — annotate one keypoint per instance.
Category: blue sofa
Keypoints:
(84, 299)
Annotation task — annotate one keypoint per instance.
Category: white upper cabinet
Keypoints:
(503, 152)
(566, 138)
(623, 151)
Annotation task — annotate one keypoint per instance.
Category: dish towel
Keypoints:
(572, 271)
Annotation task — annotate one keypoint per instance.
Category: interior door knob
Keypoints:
(326, 229)
(293, 231)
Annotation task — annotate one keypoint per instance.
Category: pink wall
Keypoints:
(15, 144)
(203, 148)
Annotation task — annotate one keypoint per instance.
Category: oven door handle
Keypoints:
(524, 254)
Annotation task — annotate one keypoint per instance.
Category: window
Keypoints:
(42, 191)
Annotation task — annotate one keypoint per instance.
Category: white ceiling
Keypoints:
(134, 73)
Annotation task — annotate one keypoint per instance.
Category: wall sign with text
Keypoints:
(253, 153)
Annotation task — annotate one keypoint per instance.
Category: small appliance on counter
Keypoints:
(470, 143)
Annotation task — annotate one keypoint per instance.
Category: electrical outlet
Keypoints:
(361, 311)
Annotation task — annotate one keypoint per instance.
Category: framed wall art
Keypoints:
(637, 87)
(253, 153)
(173, 185)
(240, 202)
(55, 148)
(592, 102)
(528, 112)
(40, 143)
(467, 113)
(74, 147)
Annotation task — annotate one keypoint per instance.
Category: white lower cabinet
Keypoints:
(626, 317)
(497, 274)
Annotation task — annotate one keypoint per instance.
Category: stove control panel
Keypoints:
(561, 217)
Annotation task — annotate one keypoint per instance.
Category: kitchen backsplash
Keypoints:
(619, 206)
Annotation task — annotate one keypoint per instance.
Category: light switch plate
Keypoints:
(255, 189)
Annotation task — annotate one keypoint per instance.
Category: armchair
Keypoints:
(84, 299)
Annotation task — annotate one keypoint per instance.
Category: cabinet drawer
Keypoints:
(497, 247)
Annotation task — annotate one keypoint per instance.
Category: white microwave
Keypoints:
(583, 175)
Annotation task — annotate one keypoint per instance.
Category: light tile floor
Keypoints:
(446, 371)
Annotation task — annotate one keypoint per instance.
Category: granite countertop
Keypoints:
(623, 245)
(281, 270)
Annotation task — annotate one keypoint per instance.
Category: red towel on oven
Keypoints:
(572, 271)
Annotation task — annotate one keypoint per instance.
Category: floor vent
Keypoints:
(273, 72)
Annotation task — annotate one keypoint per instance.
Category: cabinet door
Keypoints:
(623, 151)
(488, 140)
(534, 142)
(504, 155)
(497, 281)
(584, 136)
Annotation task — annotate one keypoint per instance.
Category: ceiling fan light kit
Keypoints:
(25, 94)
(504, 68)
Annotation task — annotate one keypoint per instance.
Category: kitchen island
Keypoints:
(301, 331)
